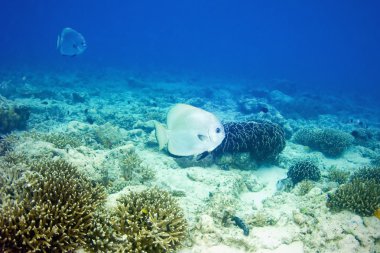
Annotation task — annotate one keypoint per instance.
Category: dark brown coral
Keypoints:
(52, 211)
(151, 220)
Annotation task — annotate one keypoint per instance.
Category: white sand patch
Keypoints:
(273, 237)
(269, 177)
(212, 249)
(295, 247)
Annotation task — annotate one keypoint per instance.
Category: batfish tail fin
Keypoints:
(161, 135)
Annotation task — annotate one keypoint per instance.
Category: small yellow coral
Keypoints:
(377, 213)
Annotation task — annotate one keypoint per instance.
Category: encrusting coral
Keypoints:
(51, 211)
(151, 221)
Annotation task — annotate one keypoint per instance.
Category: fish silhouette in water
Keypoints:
(190, 131)
(71, 42)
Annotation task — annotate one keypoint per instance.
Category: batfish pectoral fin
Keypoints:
(161, 135)
(58, 41)
(202, 156)
(202, 137)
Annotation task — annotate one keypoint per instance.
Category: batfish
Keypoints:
(190, 131)
(71, 42)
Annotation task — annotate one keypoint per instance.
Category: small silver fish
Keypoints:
(191, 131)
(71, 42)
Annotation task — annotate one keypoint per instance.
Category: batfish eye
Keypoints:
(217, 130)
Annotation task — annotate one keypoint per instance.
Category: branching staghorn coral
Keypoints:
(151, 221)
(129, 163)
(367, 173)
(338, 175)
(59, 140)
(52, 210)
(7, 143)
(358, 196)
(132, 168)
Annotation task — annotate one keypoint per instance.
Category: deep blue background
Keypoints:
(333, 45)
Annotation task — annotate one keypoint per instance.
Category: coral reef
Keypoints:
(263, 140)
(78, 98)
(107, 135)
(304, 187)
(303, 170)
(133, 169)
(240, 161)
(10, 174)
(362, 135)
(367, 173)
(262, 219)
(151, 220)
(330, 142)
(128, 164)
(360, 197)
(7, 143)
(376, 161)
(51, 210)
(338, 175)
(59, 140)
(12, 116)
(102, 237)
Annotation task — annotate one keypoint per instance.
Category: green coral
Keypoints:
(102, 237)
(242, 161)
(262, 219)
(12, 116)
(10, 174)
(62, 140)
(304, 187)
(14, 157)
(7, 143)
(51, 211)
(59, 140)
(107, 135)
(375, 161)
(360, 197)
(129, 163)
(367, 173)
(151, 221)
(330, 142)
(338, 175)
(133, 169)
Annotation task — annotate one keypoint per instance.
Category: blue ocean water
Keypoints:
(293, 90)
(331, 46)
